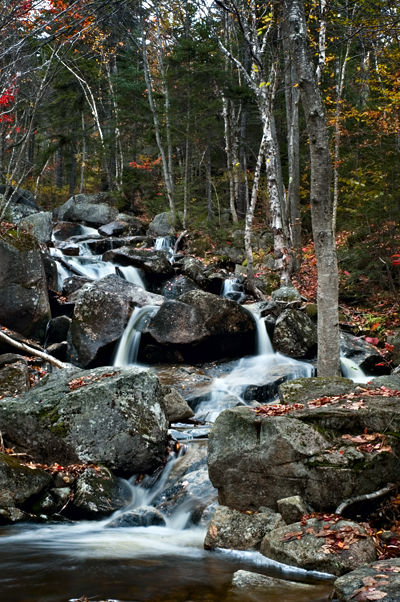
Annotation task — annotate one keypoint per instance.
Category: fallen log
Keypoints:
(31, 350)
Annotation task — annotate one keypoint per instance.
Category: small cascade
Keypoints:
(351, 370)
(254, 378)
(128, 347)
(132, 275)
(165, 243)
(233, 289)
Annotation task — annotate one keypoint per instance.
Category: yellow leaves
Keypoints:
(266, 84)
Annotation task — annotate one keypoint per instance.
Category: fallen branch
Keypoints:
(32, 351)
(366, 496)
(178, 240)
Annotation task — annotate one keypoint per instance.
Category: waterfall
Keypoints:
(132, 275)
(164, 243)
(254, 378)
(351, 370)
(128, 347)
(233, 289)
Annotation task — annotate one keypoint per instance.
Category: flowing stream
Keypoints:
(61, 562)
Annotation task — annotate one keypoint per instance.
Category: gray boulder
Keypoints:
(40, 225)
(101, 313)
(198, 327)
(144, 516)
(295, 334)
(24, 302)
(58, 329)
(19, 485)
(363, 354)
(382, 577)
(262, 587)
(292, 509)
(240, 531)
(301, 390)
(94, 210)
(303, 453)
(307, 546)
(64, 230)
(116, 228)
(176, 286)
(114, 417)
(14, 375)
(152, 262)
(162, 225)
(99, 493)
(193, 268)
(177, 409)
(286, 294)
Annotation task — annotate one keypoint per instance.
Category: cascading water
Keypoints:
(254, 378)
(128, 347)
(165, 243)
(351, 370)
(233, 289)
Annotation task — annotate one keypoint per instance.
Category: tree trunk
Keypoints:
(293, 142)
(208, 178)
(320, 193)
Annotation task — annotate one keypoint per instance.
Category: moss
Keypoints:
(21, 240)
(52, 420)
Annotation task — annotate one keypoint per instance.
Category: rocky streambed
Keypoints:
(184, 451)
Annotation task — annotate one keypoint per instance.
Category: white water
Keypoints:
(164, 243)
(351, 370)
(251, 372)
(128, 347)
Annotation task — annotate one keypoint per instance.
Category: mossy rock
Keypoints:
(301, 390)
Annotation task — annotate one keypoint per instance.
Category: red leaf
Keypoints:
(372, 340)
(389, 347)
(347, 273)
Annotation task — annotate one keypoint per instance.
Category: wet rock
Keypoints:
(46, 504)
(98, 494)
(135, 225)
(144, 516)
(99, 246)
(11, 358)
(162, 225)
(286, 294)
(64, 230)
(152, 262)
(58, 350)
(193, 268)
(308, 552)
(194, 459)
(302, 453)
(292, 509)
(240, 531)
(61, 496)
(69, 248)
(176, 286)
(19, 485)
(383, 577)
(116, 228)
(199, 327)
(57, 330)
(117, 419)
(176, 407)
(295, 334)
(186, 493)
(14, 378)
(102, 311)
(264, 586)
(362, 353)
(203, 516)
(94, 210)
(24, 302)
(391, 381)
(40, 225)
(302, 390)
(13, 515)
(50, 270)
(73, 284)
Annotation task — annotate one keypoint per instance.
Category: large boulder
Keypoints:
(263, 587)
(198, 327)
(295, 334)
(101, 313)
(376, 581)
(152, 262)
(98, 493)
(257, 459)
(301, 390)
(14, 375)
(20, 485)
(93, 209)
(314, 546)
(162, 225)
(176, 286)
(24, 302)
(111, 417)
(240, 531)
(40, 225)
(363, 354)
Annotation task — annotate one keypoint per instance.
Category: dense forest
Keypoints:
(206, 109)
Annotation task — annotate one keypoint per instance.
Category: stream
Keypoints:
(63, 561)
